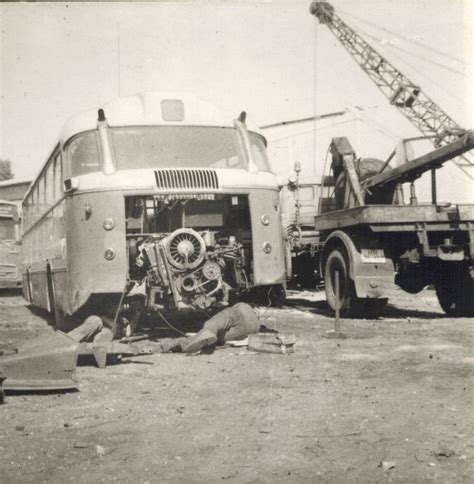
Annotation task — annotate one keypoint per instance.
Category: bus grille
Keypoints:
(186, 179)
(8, 271)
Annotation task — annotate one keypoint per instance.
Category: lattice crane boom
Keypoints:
(405, 95)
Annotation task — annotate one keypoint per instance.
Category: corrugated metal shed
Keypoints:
(13, 190)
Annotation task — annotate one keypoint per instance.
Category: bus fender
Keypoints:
(372, 278)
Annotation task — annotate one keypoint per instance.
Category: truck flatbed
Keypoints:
(398, 218)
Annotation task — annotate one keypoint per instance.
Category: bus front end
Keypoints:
(10, 248)
(170, 216)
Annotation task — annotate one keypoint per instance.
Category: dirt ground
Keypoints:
(398, 391)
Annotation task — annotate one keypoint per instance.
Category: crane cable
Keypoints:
(421, 44)
(460, 100)
(419, 56)
(411, 66)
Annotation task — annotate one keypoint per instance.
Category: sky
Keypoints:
(270, 58)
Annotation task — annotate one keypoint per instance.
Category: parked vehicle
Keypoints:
(155, 201)
(10, 245)
(365, 231)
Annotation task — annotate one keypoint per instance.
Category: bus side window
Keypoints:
(83, 154)
(41, 195)
(49, 184)
(34, 203)
(58, 186)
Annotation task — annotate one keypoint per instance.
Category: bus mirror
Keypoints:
(297, 167)
(292, 180)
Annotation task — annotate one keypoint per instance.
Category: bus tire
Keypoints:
(59, 320)
(53, 310)
(350, 305)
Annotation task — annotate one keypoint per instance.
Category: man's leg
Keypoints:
(219, 324)
(244, 322)
(230, 324)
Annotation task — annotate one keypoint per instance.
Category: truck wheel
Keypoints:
(351, 305)
(338, 262)
(455, 291)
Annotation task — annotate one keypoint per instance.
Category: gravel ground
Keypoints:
(392, 402)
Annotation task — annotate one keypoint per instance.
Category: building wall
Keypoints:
(371, 137)
(12, 190)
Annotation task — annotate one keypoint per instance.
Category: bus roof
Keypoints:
(147, 109)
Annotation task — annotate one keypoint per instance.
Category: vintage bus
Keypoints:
(155, 201)
(10, 245)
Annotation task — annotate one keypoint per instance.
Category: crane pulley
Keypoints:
(402, 93)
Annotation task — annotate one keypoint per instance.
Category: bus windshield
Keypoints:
(7, 229)
(169, 147)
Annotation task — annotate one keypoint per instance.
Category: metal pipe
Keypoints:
(108, 165)
(413, 198)
(434, 199)
(337, 323)
(247, 148)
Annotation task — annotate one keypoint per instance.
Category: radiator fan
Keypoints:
(185, 249)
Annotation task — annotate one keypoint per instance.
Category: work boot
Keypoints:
(197, 342)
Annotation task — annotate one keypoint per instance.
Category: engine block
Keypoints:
(187, 269)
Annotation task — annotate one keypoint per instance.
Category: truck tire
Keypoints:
(455, 290)
(350, 305)
(337, 261)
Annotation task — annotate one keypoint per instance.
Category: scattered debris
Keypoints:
(444, 452)
(81, 445)
(387, 465)
(333, 334)
(238, 344)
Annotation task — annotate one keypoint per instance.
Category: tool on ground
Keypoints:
(114, 350)
(336, 332)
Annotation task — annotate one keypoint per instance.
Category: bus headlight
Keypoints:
(265, 219)
(267, 247)
(109, 254)
(109, 224)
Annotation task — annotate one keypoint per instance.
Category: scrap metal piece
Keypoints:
(45, 363)
(101, 350)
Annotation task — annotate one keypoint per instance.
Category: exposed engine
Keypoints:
(189, 267)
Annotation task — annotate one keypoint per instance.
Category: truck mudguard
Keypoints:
(370, 267)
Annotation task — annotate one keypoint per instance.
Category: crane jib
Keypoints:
(402, 93)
